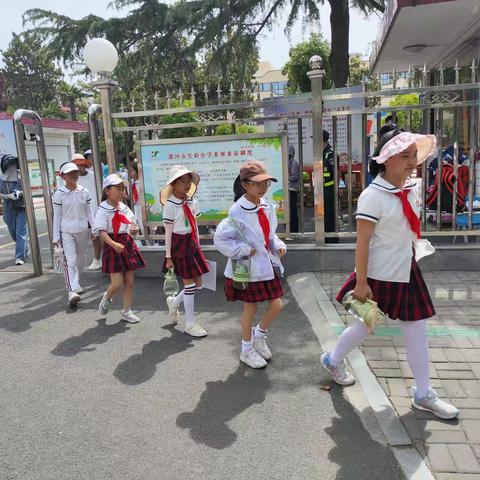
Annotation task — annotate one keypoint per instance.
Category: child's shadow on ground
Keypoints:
(93, 336)
(141, 367)
(221, 402)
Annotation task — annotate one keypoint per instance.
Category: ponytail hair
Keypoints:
(387, 132)
(104, 194)
(238, 190)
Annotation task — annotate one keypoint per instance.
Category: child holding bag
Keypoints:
(182, 247)
(115, 224)
(249, 231)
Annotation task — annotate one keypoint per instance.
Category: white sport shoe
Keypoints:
(433, 404)
(95, 265)
(79, 290)
(105, 305)
(261, 347)
(195, 330)
(19, 261)
(129, 317)
(252, 359)
(73, 298)
(173, 313)
(337, 372)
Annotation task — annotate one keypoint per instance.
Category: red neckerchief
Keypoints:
(265, 225)
(134, 193)
(192, 221)
(117, 220)
(412, 218)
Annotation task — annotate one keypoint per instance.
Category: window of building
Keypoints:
(385, 79)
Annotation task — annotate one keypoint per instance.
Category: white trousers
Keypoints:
(74, 250)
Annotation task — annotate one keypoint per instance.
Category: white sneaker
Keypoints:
(195, 330)
(19, 261)
(261, 347)
(252, 359)
(433, 404)
(105, 305)
(173, 313)
(73, 298)
(337, 372)
(79, 290)
(95, 265)
(129, 317)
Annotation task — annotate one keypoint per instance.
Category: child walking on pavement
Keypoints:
(72, 220)
(182, 247)
(249, 230)
(115, 223)
(388, 231)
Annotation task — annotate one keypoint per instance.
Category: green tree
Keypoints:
(298, 64)
(30, 74)
(402, 116)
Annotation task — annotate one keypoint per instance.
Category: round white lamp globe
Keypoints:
(100, 55)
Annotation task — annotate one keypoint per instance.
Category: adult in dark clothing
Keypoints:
(293, 187)
(329, 187)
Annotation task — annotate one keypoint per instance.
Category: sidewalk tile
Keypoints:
(469, 413)
(442, 436)
(437, 355)
(457, 476)
(372, 353)
(466, 402)
(388, 353)
(453, 389)
(440, 458)
(472, 429)
(475, 367)
(471, 388)
(384, 364)
(401, 401)
(452, 366)
(455, 375)
(464, 458)
(398, 388)
(437, 424)
(388, 372)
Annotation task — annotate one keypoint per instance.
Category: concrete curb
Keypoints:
(317, 307)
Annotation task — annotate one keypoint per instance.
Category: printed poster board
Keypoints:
(217, 160)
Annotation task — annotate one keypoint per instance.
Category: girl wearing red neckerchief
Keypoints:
(249, 230)
(387, 250)
(182, 246)
(115, 223)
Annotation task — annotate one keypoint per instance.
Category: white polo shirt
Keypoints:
(390, 252)
(104, 215)
(71, 211)
(173, 213)
(88, 181)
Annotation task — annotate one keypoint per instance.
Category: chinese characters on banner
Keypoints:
(218, 164)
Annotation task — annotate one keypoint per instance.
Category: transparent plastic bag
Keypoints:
(241, 272)
(367, 312)
(170, 283)
(58, 260)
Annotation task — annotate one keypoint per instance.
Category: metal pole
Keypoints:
(300, 168)
(439, 127)
(455, 168)
(96, 157)
(349, 174)
(105, 87)
(315, 75)
(27, 192)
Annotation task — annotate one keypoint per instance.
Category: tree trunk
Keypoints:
(340, 25)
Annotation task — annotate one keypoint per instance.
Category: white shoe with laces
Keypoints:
(105, 305)
(73, 298)
(337, 372)
(431, 403)
(195, 330)
(129, 317)
(95, 265)
(260, 346)
(19, 261)
(252, 359)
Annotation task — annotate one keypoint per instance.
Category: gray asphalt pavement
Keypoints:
(86, 397)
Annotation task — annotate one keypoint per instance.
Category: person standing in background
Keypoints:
(294, 179)
(329, 187)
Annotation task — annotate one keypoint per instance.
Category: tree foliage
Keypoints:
(402, 116)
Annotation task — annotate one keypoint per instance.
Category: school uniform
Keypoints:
(116, 222)
(88, 181)
(186, 253)
(72, 218)
(137, 206)
(237, 235)
(393, 273)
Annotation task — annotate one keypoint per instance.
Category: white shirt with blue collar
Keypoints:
(104, 215)
(173, 213)
(241, 231)
(390, 251)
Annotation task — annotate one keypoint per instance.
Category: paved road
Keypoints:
(90, 398)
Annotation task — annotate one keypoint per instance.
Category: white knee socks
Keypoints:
(189, 304)
(180, 296)
(351, 338)
(416, 343)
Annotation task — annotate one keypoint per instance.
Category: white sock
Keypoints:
(416, 343)
(351, 338)
(246, 346)
(178, 299)
(189, 304)
(259, 333)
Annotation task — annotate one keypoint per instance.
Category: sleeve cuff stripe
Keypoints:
(366, 217)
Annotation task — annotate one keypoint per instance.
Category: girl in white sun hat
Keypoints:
(182, 247)
(386, 270)
(115, 223)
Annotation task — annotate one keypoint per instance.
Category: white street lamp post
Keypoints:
(101, 57)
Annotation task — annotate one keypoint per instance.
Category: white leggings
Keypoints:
(416, 343)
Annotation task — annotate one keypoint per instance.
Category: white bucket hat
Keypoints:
(111, 180)
(175, 173)
(68, 167)
(426, 145)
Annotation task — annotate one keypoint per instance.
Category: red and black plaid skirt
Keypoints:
(256, 292)
(187, 257)
(400, 301)
(129, 259)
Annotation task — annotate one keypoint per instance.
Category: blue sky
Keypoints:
(274, 45)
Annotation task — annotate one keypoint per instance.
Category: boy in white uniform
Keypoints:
(72, 217)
